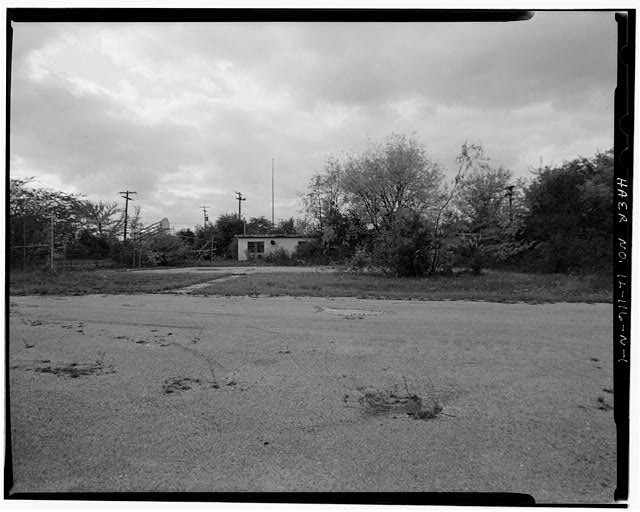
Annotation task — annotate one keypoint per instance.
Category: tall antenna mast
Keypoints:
(273, 223)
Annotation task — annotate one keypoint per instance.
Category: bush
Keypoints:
(165, 250)
(404, 249)
(122, 252)
(361, 260)
(311, 253)
(280, 257)
(403, 259)
(570, 216)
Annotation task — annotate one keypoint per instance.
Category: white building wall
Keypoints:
(288, 244)
(243, 246)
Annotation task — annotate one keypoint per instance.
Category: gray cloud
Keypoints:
(187, 113)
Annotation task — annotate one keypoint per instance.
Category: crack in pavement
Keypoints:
(198, 286)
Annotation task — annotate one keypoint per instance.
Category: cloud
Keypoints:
(185, 114)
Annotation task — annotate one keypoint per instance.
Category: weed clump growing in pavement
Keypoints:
(376, 402)
(177, 384)
(386, 402)
(75, 370)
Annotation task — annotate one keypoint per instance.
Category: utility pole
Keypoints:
(125, 195)
(206, 217)
(240, 199)
(273, 224)
(509, 194)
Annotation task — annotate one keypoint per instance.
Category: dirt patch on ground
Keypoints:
(179, 384)
(377, 402)
(71, 370)
(349, 314)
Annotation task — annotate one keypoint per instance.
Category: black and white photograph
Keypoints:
(323, 253)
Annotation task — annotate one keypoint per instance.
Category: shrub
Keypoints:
(361, 260)
(311, 253)
(166, 250)
(280, 257)
(122, 252)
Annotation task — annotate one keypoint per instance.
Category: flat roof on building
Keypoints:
(274, 236)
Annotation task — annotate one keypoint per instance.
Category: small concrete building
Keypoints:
(258, 246)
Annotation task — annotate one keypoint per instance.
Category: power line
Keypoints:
(125, 195)
(240, 199)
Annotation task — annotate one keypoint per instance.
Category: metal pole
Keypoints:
(52, 242)
(272, 196)
(24, 243)
(126, 217)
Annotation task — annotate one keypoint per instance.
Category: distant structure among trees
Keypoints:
(387, 208)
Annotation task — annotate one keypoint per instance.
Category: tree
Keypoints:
(258, 226)
(166, 249)
(89, 245)
(303, 227)
(570, 215)
(364, 199)
(482, 200)
(206, 241)
(389, 178)
(405, 249)
(326, 195)
(188, 237)
(485, 215)
(286, 226)
(104, 219)
(471, 157)
(135, 223)
(31, 211)
(227, 226)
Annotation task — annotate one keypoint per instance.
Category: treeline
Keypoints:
(78, 228)
(84, 230)
(218, 238)
(388, 208)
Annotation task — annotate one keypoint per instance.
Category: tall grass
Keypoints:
(99, 282)
(493, 286)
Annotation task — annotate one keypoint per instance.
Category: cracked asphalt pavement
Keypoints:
(184, 393)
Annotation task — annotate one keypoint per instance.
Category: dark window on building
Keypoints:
(255, 249)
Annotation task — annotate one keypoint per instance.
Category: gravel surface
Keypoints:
(182, 393)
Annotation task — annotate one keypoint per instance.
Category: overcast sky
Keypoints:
(186, 114)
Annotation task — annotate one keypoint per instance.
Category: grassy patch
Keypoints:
(492, 286)
(100, 282)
